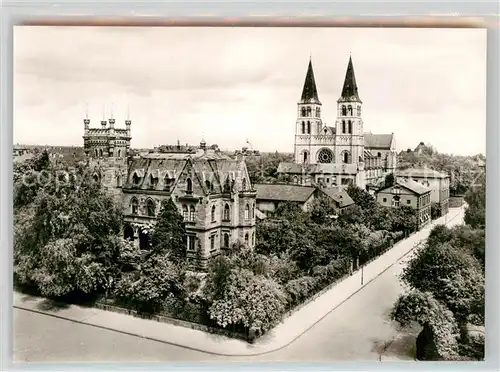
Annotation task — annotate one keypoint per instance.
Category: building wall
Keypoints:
(421, 203)
(440, 190)
(202, 227)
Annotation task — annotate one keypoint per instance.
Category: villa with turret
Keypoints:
(339, 155)
(211, 190)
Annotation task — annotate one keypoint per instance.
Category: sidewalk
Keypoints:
(282, 335)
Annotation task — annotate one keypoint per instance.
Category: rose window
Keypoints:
(325, 156)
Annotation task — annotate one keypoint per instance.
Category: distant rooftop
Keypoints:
(421, 172)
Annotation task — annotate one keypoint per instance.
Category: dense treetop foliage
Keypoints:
(66, 229)
(446, 287)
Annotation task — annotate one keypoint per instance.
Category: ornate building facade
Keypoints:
(341, 154)
(210, 189)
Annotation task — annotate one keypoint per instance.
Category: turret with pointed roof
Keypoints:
(310, 92)
(350, 88)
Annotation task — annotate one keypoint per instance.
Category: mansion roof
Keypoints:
(410, 185)
(161, 167)
(284, 192)
(378, 141)
(339, 195)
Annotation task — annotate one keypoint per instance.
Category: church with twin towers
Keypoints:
(342, 154)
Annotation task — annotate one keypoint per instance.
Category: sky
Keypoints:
(230, 85)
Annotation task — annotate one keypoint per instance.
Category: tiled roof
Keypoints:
(279, 192)
(339, 195)
(309, 92)
(378, 141)
(421, 172)
(413, 186)
(350, 88)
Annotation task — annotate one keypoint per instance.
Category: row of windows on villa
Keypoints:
(168, 183)
(144, 242)
(307, 112)
(224, 243)
(189, 213)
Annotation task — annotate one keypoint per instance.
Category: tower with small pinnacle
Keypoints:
(349, 141)
(107, 149)
(308, 123)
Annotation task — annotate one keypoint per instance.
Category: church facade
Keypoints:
(211, 190)
(342, 154)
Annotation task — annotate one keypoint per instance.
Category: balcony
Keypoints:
(248, 193)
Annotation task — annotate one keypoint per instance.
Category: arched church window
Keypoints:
(309, 111)
(192, 213)
(344, 110)
(119, 153)
(325, 156)
(306, 154)
(308, 127)
(349, 109)
(379, 154)
(359, 110)
(244, 184)
(100, 153)
(295, 179)
(343, 126)
(189, 186)
(185, 213)
(318, 112)
(303, 127)
(209, 185)
(96, 152)
(136, 179)
(226, 212)
(346, 157)
(134, 206)
(212, 214)
(227, 185)
(128, 233)
(151, 209)
(118, 181)
(350, 126)
(247, 212)
(303, 112)
(246, 238)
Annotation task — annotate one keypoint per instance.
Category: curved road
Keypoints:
(354, 331)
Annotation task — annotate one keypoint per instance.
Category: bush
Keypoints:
(300, 289)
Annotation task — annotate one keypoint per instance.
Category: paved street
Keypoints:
(353, 331)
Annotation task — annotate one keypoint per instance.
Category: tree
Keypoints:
(439, 336)
(251, 300)
(169, 233)
(361, 197)
(435, 211)
(147, 288)
(389, 180)
(445, 280)
(324, 210)
(66, 241)
(475, 213)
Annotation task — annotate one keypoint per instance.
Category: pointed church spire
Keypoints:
(309, 92)
(350, 89)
